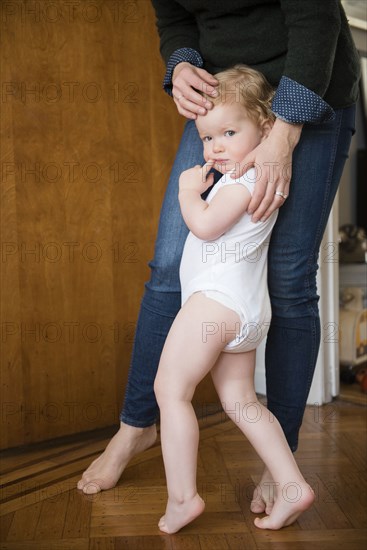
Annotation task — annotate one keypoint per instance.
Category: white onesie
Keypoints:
(233, 270)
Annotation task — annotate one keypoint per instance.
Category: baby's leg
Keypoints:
(200, 331)
(233, 376)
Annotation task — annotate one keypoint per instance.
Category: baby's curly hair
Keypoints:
(248, 87)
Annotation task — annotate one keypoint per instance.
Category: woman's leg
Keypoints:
(294, 335)
(233, 377)
(159, 306)
(186, 358)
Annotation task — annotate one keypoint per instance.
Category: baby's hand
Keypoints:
(197, 178)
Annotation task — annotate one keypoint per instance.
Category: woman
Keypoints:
(306, 52)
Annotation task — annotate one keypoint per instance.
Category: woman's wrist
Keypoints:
(179, 67)
(287, 131)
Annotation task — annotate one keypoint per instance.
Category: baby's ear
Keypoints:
(265, 129)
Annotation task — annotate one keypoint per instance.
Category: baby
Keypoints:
(225, 310)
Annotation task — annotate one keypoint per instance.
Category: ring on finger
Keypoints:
(280, 194)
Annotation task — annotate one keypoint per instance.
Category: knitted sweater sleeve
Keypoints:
(313, 30)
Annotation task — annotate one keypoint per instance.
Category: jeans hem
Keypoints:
(137, 423)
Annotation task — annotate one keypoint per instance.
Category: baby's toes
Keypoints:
(257, 506)
(262, 523)
(161, 521)
(162, 525)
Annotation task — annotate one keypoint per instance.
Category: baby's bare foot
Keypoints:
(264, 495)
(179, 514)
(294, 499)
(106, 470)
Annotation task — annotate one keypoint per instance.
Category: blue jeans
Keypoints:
(294, 335)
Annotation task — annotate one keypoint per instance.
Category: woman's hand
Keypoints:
(272, 159)
(197, 178)
(189, 102)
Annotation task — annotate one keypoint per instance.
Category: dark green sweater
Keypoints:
(308, 41)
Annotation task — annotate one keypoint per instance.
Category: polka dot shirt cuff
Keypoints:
(297, 104)
(182, 54)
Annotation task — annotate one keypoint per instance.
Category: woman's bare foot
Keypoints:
(264, 495)
(106, 470)
(179, 514)
(294, 499)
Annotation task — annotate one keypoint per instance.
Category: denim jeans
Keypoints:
(294, 334)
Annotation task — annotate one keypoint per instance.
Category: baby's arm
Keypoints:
(208, 221)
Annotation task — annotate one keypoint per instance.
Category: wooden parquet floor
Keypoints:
(42, 510)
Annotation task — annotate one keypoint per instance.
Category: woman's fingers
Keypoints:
(186, 81)
(189, 108)
(272, 177)
(193, 81)
(267, 197)
(185, 112)
(185, 91)
(209, 80)
(277, 202)
(269, 184)
(193, 102)
(195, 77)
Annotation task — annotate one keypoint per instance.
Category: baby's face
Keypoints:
(228, 135)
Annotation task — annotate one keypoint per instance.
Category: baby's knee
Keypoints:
(240, 405)
(161, 389)
(158, 388)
